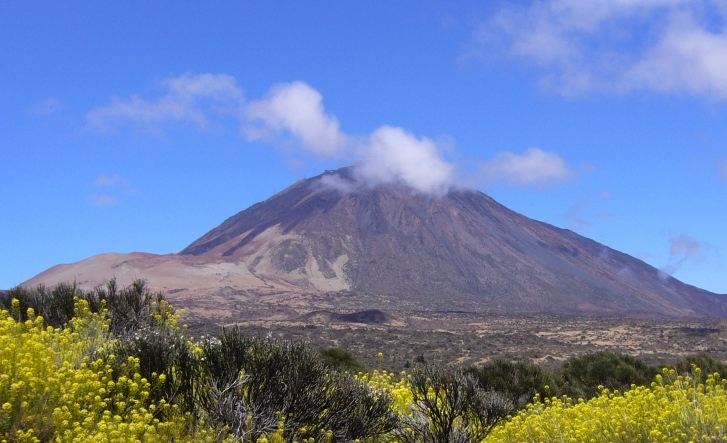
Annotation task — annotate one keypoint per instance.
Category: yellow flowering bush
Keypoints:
(399, 388)
(674, 409)
(55, 387)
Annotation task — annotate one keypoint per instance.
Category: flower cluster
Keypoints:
(397, 386)
(54, 386)
(673, 409)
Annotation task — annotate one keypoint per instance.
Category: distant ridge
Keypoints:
(330, 238)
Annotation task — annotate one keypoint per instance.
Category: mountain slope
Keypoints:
(329, 233)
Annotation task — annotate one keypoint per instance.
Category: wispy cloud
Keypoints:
(617, 45)
(115, 185)
(188, 98)
(49, 106)
(534, 167)
(683, 248)
(575, 217)
(103, 200)
(111, 180)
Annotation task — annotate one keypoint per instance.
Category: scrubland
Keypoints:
(116, 365)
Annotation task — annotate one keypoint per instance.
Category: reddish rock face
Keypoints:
(314, 243)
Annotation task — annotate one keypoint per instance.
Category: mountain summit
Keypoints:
(331, 234)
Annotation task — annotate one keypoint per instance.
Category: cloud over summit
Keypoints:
(293, 115)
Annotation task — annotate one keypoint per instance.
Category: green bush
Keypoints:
(705, 362)
(342, 360)
(257, 385)
(56, 306)
(449, 406)
(518, 382)
(580, 377)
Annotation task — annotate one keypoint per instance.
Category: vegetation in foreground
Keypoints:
(114, 365)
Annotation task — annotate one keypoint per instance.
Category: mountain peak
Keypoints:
(337, 231)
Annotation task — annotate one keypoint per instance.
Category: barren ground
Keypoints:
(464, 338)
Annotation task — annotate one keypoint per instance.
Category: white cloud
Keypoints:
(687, 58)
(534, 167)
(189, 98)
(297, 109)
(394, 155)
(293, 113)
(618, 45)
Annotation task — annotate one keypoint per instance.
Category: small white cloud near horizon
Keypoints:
(189, 98)
(534, 167)
(669, 46)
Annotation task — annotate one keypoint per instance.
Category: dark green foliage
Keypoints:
(518, 382)
(55, 306)
(450, 406)
(266, 380)
(129, 308)
(342, 360)
(580, 377)
(705, 362)
(163, 353)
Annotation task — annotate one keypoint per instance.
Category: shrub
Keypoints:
(706, 363)
(257, 386)
(56, 306)
(449, 406)
(53, 388)
(342, 360)
(580, 377)
(673, 409)
(518, 382)
(129, 309)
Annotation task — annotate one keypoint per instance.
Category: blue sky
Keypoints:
(139, 126)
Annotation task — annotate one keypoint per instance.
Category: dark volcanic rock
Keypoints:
(369, 316)
(460, 249)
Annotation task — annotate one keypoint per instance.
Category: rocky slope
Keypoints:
(331, 235)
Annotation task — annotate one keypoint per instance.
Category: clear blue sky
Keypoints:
(139, 126)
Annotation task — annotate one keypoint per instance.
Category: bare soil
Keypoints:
(466, 338)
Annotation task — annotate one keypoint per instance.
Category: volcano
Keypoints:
(331, 237)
